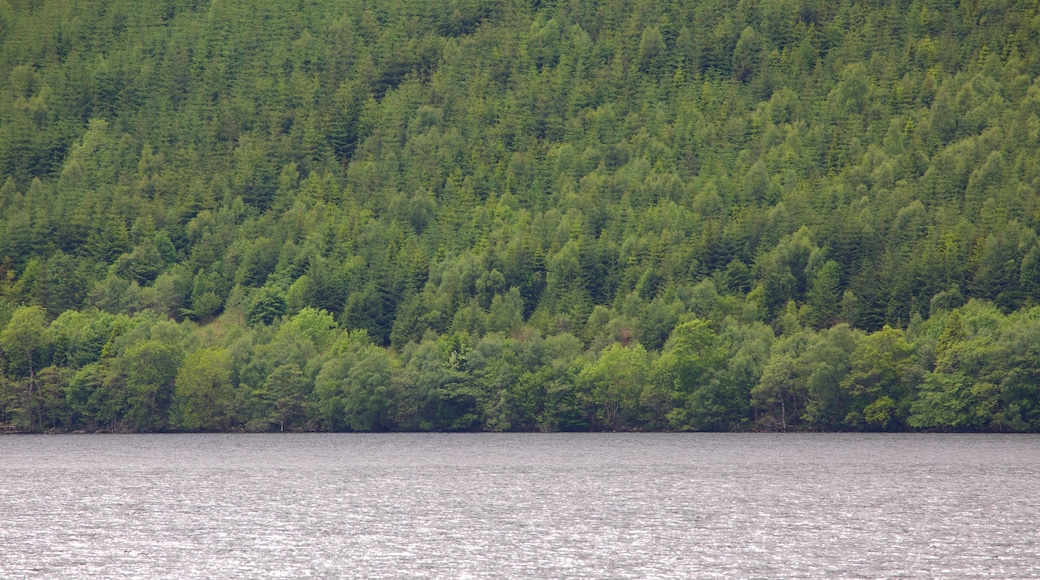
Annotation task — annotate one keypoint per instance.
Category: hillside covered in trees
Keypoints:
(519, 215)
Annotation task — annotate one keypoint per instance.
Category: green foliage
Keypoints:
(881, 366)
(267, 305)
(542, 215)
(615, 381)
(204, 395)
(353, 388)
(281, 401)
(25, 342)
(151, 369)
(693, 366)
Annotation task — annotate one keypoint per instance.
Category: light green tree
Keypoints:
(616, 380)
(204, 395)
(25, 341)
(150, 368)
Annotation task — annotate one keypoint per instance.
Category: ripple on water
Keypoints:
(598, 505)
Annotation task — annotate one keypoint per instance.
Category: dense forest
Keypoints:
(519, 215)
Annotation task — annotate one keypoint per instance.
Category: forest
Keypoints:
(519, 215)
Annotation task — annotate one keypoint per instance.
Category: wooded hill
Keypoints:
(519, 215)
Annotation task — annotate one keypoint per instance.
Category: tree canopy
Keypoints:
(519, 215)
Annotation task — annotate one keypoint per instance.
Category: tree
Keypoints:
(282, 400)
(693, 366)
(507, 312)
(827, 359)
(367, 397)
(25, 341)
(266, 306)
(882, 365)
(150, 368)
(825, 295)
(616, 379)
(778, 393)
(203, 393)
(652, 51)
(344, 127)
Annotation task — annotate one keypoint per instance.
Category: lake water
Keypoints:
(512, 505)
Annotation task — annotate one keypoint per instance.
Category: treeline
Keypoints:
(476, 214)
(970, 369)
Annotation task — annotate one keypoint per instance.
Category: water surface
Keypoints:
(519, 505)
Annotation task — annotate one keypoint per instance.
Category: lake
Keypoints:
(519, 505)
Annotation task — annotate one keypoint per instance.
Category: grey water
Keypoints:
(519, 506)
